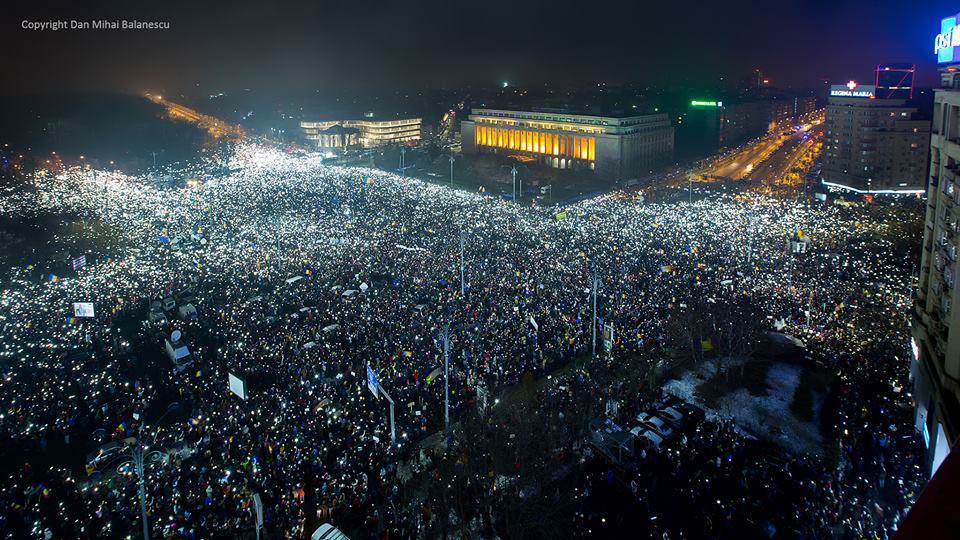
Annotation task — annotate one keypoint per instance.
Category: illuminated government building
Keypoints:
(613, 147)
(366, 133)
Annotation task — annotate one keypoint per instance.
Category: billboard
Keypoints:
(238, 386)
(79, 262)
(83, 309)
(947, 42)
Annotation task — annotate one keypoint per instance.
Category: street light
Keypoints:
(513, 173)
(446, 376)
(139, 455)
(595, 283)
(452, 159)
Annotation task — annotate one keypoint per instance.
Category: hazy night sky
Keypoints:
(289, 48)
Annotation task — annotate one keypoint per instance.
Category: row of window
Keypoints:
(536, 142)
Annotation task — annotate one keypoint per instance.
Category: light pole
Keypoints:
(139, 455)
(520, 187)
(403, 151)
(257, 512)
(446, 376)
(463, 286)
(593, 327)
(514, 170)
(452, 159)
(393, 429)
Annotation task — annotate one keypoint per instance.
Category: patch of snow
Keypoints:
(768, 416)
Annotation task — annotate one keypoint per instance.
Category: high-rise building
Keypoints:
(873, 145)
(710, 124)
(936, 317)
(614, 147)
(804, 105)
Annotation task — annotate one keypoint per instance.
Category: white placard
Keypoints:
(238, 386)
(83, 309)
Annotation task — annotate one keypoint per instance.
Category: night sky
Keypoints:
(290, 48)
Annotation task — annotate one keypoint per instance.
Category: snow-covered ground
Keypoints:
(766, 417)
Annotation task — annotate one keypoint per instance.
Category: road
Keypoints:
(216, 127)
(764, 164)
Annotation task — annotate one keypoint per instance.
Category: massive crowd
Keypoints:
(303, 274)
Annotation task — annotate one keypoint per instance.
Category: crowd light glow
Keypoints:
(239, 241)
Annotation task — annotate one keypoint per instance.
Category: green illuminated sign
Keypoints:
(696, 103)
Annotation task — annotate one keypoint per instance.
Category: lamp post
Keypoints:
(393, 429)
(452, 159)
(139, 455)
(463, 286)
(514, 170)
(595, 282)
(446, 376)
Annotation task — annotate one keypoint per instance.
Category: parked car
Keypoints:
(655, 424)
(645, 436)
(692, 412)
(671, 415)
(328, 532)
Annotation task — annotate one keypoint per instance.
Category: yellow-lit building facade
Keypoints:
(613, 147)
(365, 133)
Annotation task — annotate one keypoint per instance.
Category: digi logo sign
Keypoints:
(947, 41)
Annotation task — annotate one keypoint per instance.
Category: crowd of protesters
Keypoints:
(304, 274)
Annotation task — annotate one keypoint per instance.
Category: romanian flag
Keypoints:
(408, 354)
(53, 278)
(666, 268)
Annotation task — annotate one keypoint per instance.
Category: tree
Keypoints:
(738, 328)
